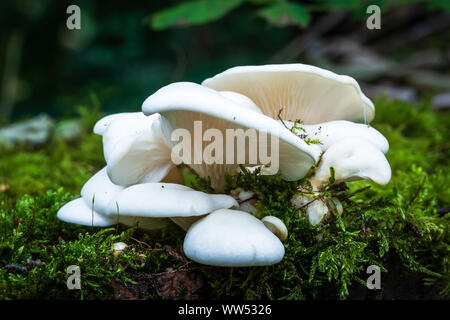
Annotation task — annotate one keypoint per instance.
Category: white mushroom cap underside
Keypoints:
(184, 102)
(304, 92)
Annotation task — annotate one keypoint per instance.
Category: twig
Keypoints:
(279, 117)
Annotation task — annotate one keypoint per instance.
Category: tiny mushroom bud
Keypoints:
(245, 195)
(118, 247)
(316, 211)
(277, 227)
(336, 205)
(300, 201)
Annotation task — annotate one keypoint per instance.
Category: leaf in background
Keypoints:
(193, 13)
(286, 13)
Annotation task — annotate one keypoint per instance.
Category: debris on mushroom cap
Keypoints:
(332, 132)
(316, 211)
(166, 200)
(352, 159)
(232, 238)
(183, 103)
(298, 89)
(277, 227)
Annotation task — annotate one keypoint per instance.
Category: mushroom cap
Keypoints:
(304, 92)
(232, 238)
(98, 191)
(166, 200)
(183, 103)
(352, 159)
(277, 227)
(77, 211)
(332, 132)
(102, 125)
(135, 148)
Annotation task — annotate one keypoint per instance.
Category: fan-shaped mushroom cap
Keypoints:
(136, 147)
(332, 132)
(352, 159)
(232, 238)
(277, 227)
(98, 191)
(303, 91)
(102, 125)
(165, 200)
(77, 211)
(183, 103)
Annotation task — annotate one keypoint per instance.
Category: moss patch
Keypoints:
(397, 227)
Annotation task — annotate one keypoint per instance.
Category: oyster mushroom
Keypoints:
(148, 205)
(332, 132)
(304, 92)
(352, 159)
(232, 238)
(183, 103)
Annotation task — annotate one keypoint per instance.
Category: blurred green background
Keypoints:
(126, 50)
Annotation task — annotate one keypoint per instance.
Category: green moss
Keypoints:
(327, 261)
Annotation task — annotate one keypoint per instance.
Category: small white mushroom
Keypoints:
(245, 195)
(316, 211)
(336, 205)
(299, 200)
(277, 227)
(232, 238)
(352, 159)
(119, 246)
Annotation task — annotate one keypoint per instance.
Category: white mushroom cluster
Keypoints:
(142, 186)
